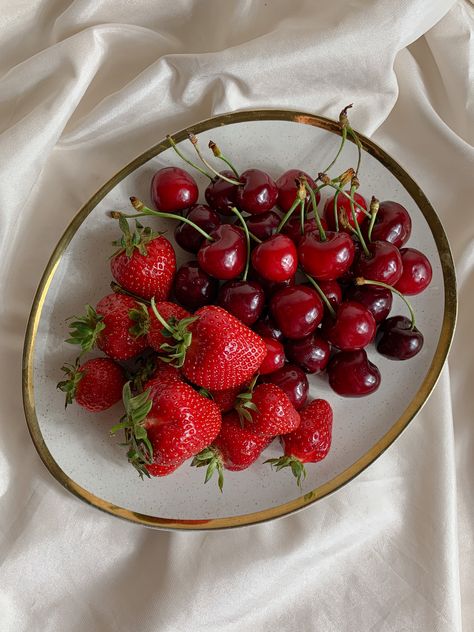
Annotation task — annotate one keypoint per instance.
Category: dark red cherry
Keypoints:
(344, 204)
(310, 353)
(288, 189)
(258, 192)
(244, 299)
(397, 340)
(417, 272)
(378, 300)
(173, 189)
(224, 258)
(220, 194)
(297, 310)
(383, 264)
(188, 237)
(270, 287)
(275, 357)
(393, 224)
(353, 328)
(275, 259)
(333, 292)
(267, 328)
(351, 374)
(292, 228)
(264, 225)
(292, 381)
(194, 288)
(326, 260)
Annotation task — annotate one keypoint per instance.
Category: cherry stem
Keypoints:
(356, 223)
(341, 146)
(359, 147)
(302, 215)
(144, 210)
(333, 184)
(314, 204)
(218, 154)
(374, 209)
(118, 289)
(183, 157)
(288, 214)
(247, 240)
(323, 296)
(160, 317)
(254, 237)
(195, 144)
(362, 281)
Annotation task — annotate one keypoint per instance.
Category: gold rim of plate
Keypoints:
(447, 330)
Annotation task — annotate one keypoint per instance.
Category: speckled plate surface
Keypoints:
(76, 446)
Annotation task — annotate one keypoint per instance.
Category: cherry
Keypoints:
(288, 189)
(344, 203)
(292, 228)
(332, 290)
(384, 263)
(220, 194)
(194, 288)
(392, 224)
(270, 287)
(297, 310)
(310, 353)
(326, 260)
(276, 259)
(353, 328)
(243, 299)
(292, 381)
(267, 328)
(173, 189)
(397, 339)
(352, 374)
(416, 274)
(264, 225)
(378, 300)
(275, 357)
(186, 236)
(224, 258)
(257, 192)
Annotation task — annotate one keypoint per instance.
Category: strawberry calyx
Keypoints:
(69, 385)
(297, 467)
(178, 330)
(141, 318)
(85, 330)
(131, 241)
(210, 457)
(140, 450)
(244, 404)
(143, 370)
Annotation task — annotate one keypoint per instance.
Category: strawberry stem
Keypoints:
(195, 144)
(247, 241)
(297, 467)
(218, 154)
(210, 457)
(362, 281)
(183, 157)
(181, 335)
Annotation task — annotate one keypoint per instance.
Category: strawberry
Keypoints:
(145, 264)
(310, 442)
(116, 326)
(226, 399)
(164, 376)
(95, 385)
(172, 313)
(161, 470)
(271, 412)
(235, 449)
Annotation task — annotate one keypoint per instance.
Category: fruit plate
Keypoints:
(76, 446)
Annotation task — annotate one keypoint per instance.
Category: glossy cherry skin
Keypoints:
(292, 228)
(270, 287)
(333, 292)
(244, 299)
(417, 272)
(193, 288)
(275, 357)
(292, 381)
(288, 189)
(383, 264)
(297, 311)
(311, 353)
(397, 340)
(275, 259)
(188, 237)
(267, 328)
(344, 203)
(220, 194)
(326, 260)
(257, 192)
(378, 300)
(224, 258)
(353, 328)
(351, 374)
(264, 225)
(392, 224)
(173, 189)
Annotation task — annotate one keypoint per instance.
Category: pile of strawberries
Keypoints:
(199, 355)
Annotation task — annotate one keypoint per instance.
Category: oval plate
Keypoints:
(75, 446)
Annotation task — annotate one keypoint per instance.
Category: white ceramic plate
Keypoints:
(75, 445)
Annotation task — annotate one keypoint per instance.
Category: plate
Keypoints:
(76, 447)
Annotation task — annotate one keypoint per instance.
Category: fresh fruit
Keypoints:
(353, 328)
(288, 188)
(193, 287)
(378, 300)
(292, 228)
(383, 263)
(257, 192)
(392, 223)
(267, 328)
(224, 257)
(352, 374)
(188, 237)
(264, 225)
(173, 189)
(172, 313)
(398, 339)
(297, 311)
(327, 259)
(292, 381)
(164, 375)
(344, 206)
(275, 259)
(417, 272)
(332, 291)
(220, 194)
(275, 357)
(95, 385)
(310, 353)
(274, 413)
(244, 299)
(227, 398)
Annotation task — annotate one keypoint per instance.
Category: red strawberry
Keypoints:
(95, 385)
(145, 264)
(171, 313)
(117, 327)
(226, 399)
(272, 411)
(310, 442)
(235, 449)
(161, 470)
(164, 375)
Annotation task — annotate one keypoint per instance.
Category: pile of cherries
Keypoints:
(315, 283)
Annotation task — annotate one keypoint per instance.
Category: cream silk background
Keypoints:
(86, 86)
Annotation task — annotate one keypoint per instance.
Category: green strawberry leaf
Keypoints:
(297, 467)
(69, 385)
(85, 330)
(210, 457)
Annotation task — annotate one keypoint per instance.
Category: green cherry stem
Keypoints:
(323, 296)
(356, 223)
(288, 214)
(247, 240)
(254, 237)
(374, 209)
(195, 143)
(359, 147)
(314, 204)
(190, 162)
(341, 146)
(362, 281)
(118, 289)
(218, 154)
(302, 215)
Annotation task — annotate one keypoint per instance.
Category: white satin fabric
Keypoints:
(85, 87)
